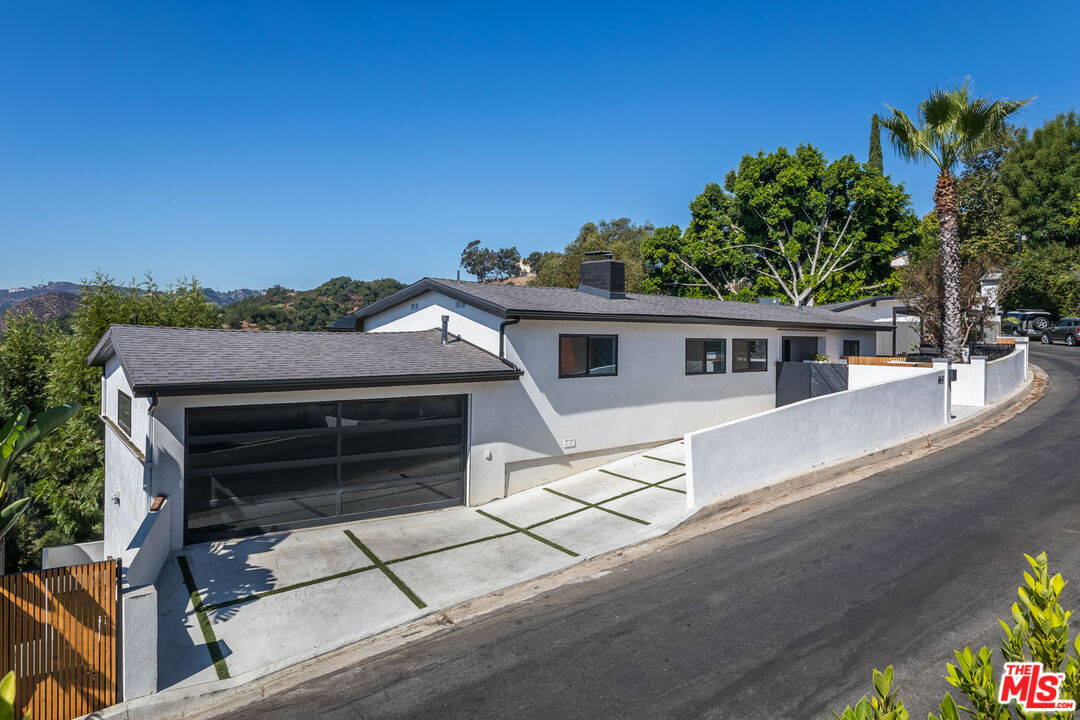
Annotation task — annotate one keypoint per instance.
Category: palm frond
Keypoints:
(907, 139)
(953, 125)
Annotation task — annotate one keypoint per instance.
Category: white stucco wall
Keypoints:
(860, 376)
(496, 411)
(768, 447)
(126, 476)
(478, 327)
(1006, 374)
(969, 388)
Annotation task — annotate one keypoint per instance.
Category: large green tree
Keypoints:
(788, 224)
(985, 228)
(1044, 276)
(622, 238)
(876, 160)
(1040, 179)
(950, 126)
(64, 472)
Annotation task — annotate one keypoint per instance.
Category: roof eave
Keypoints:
(104, 350)
(683, 320)
(428, 285)
(221, 388)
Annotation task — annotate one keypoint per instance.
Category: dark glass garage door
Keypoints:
(260, 468)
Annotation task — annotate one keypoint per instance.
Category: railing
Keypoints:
(891, 361)
(58, 634)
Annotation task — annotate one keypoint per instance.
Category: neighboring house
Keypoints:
(454, 392)
(898, 328)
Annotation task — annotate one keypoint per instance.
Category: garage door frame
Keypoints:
(339, 488)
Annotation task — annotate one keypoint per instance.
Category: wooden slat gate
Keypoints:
(58, 633)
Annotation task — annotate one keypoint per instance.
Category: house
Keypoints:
(899, 330)
(445, 393)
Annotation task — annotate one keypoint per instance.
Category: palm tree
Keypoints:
(952, 126)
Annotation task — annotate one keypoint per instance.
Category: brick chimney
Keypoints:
(600, 275)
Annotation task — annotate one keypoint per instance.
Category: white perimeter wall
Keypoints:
(860, 376)
(1005, 374)
(763, 449)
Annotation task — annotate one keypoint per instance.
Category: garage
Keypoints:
(264, 467)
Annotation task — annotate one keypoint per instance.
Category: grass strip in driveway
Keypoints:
(657, 484)
(588, 505)
(212, 645)
(534, 536)
(387, 571)
(287, 588)
(514, 529)
(673, 462)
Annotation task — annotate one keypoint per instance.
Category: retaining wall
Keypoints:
(762, 449)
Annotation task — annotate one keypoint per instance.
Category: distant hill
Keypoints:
(280, 308)
(56, 305)
(228, 297)
(14, 295)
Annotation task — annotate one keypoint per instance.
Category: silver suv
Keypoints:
(1031, 323)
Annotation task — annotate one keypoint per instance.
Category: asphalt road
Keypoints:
(780, 616)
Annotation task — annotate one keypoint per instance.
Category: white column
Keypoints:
(945, 364)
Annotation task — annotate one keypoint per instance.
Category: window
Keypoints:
(851, 348)
(123, 411)
(585, 355)
(749, 355)
(705, 357)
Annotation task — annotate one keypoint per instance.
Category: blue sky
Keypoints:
(253, 143)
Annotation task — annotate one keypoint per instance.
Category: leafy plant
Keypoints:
(885, 705)
(7, 698)
(819, 357)
(16, 436)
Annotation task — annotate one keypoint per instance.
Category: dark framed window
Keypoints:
(749, 356)
(123, 411)
(588, 355)
(851, 348)
(705, 356)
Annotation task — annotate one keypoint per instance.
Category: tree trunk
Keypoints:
(948, 213)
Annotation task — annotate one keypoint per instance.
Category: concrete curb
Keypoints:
(216, 698)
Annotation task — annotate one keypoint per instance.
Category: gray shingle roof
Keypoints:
(533, 301)
(187, 361)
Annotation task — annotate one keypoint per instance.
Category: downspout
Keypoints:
(502, 335)
(150, 450)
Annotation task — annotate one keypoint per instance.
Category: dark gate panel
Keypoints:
(261, 468)
(797, 381)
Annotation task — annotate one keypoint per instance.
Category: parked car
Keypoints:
(1026, 322)
(1065, 331)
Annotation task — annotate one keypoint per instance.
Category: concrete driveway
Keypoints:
(234, 606)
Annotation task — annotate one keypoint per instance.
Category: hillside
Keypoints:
(56, 305)
(221, 298)
(12, 296)
(280, 308)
